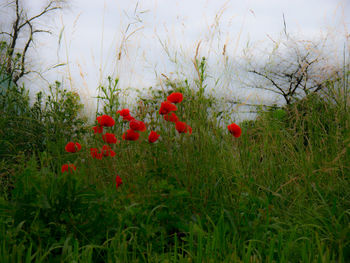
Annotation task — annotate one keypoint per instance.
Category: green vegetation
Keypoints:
(279, 193)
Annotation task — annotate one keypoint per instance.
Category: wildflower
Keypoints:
(137, 125)
(175, 97)
(95, 153)
(72, 147)
(98, 129)
(105, 120)
(128, 118)
(181, 127)
(172, 117)
(78, 145)
(124, 112)
(99, 156)
(167, 107)
(109, 138)
(234, 129)
(130, 135)
(153, 136)
(107, 151)
(118, 181)
(68, 168)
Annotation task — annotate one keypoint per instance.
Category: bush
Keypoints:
(28, 129)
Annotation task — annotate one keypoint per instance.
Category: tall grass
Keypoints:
(279, 193)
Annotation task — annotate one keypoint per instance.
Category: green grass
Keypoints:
(279, 193)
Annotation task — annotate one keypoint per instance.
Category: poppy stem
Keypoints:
(240, 157)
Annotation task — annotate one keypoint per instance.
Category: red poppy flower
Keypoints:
(124, 112)
(130, 135)
(167, 107)
(171, 117)
(137, 125)
(109, 138)
(234, 129)
(153, 136)
(78, 145)
(107, 151)
(118, 181)
(72, 147)
(175, 97)
(68, 168)
(98, 129)
(181, 127)
(105, 120)
(95, 154)
(128, 118)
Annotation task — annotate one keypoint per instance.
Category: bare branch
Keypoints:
(30, 39)
(42, 31)
(13, 40)
(268, 78)
(23, 26)
(6, 33)
(293, 68)
(46, 10)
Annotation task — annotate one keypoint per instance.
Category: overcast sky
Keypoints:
(137, 41)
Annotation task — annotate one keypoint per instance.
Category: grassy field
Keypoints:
(278, 193)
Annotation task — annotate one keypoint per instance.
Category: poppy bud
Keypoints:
(118, 181)
(68, 167)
